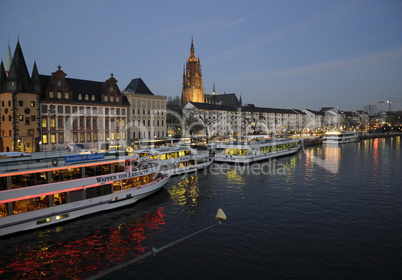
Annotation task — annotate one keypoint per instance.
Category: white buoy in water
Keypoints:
(220, 215)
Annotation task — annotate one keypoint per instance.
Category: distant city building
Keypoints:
(74, 111)
(193, 91)
(314, 119)
(41, 112)
(222, 120)
(19, 99)
(147, 114)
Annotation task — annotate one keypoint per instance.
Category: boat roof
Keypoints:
(56, 160)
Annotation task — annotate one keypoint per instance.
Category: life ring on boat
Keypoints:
(55, 162)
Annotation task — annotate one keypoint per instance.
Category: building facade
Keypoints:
(19, 101)
(74, 111)
(147, 113)
(221, 120)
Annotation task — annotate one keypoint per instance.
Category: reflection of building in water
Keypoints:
(82, 258)
(332, 158)
(185, 191)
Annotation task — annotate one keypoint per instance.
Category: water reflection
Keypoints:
(375, 160)
(185, 191)
(81, 258)
(327, 157)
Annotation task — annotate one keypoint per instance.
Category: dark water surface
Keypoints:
(324, 213)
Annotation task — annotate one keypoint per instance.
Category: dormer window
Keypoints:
(86, 97)
(117, 99)
(111, 98)
(105, 98)
(59, 95)
(66, 95)
(80, 96)
(93, 97)
(51, 94)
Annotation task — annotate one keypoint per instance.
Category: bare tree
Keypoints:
(191, 122)
(252, 120)
(208, 118)
(372, 113)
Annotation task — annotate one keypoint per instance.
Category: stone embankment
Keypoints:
(311, 141)
(379, 135)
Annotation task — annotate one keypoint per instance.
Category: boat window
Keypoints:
(182, 153)
(3, 183)
(155, 156)
(91, 192)
(163, 156)
(59, 198)
(76, 195)
(57, 176)
(3, 210)
(119, 167)
(31, 204)
(117, 186)
(127, 184)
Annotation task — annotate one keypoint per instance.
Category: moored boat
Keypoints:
(177, 160)
(36, 192)
(340, 137)
(255, 148)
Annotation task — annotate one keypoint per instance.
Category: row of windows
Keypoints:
(149, 112)
(82, 110)
(10, 132)
(66, 96)
(76, 137)
(113, 123)
(149, 122)
(148, 135)
(20, 103)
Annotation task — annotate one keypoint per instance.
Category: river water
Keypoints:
(324, 213)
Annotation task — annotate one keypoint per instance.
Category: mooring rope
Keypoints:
(147, 254)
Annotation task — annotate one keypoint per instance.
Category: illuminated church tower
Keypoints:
(192, 80)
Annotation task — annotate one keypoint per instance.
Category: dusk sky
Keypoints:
(280, 54)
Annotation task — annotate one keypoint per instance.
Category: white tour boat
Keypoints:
(255, 148)
(340, 137)
(177, 160)
(41, 191)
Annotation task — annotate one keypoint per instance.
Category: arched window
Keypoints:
(79, 96)
(93, 97)
(86, 97)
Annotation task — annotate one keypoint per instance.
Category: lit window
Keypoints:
(86, 97)
(59, 95)
(44, 122)
(79, 96)
(66, 95)
(51, 94)
(44, 139)
(93, 97)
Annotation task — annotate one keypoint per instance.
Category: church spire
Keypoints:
(192, 48)
(213, 90)
(35, 80)
(8, 59)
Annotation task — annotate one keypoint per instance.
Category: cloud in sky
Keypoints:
(287, 31)
(374, 59)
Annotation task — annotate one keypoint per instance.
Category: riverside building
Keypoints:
(147, 113)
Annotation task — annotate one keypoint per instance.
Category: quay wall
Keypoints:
(379, 135)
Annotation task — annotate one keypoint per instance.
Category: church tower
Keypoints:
(192, 80)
